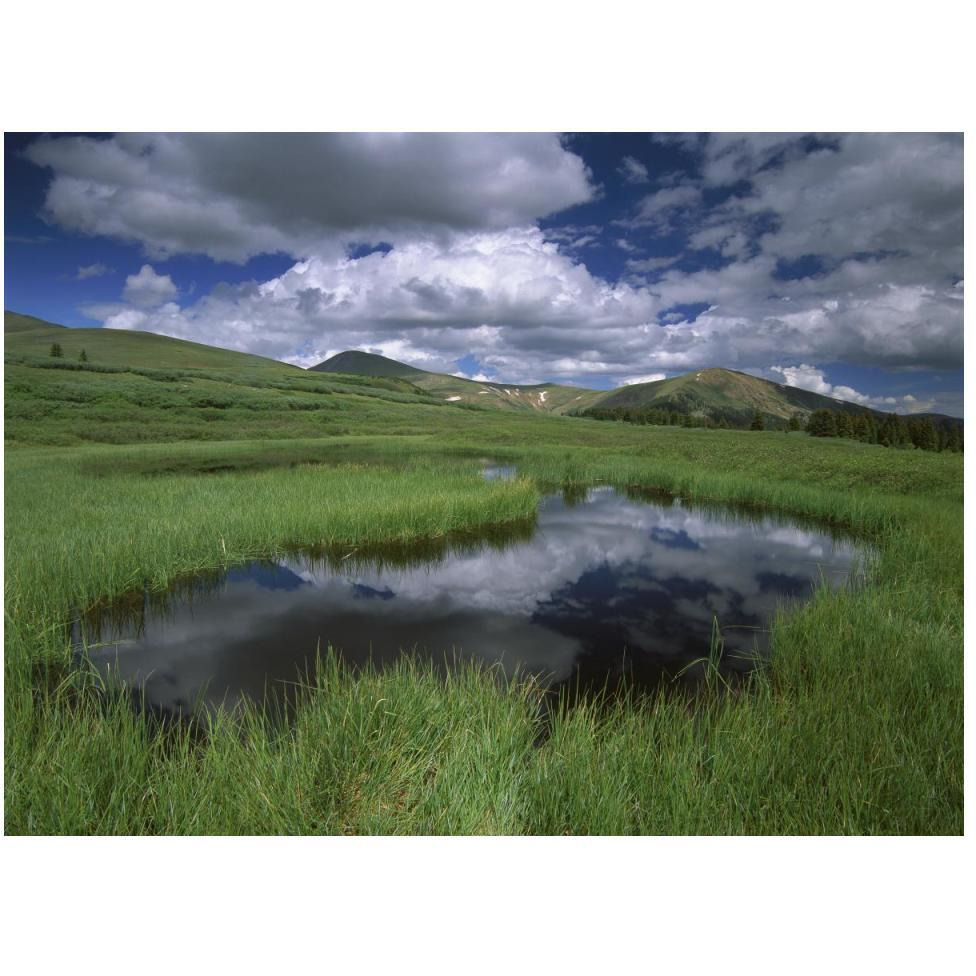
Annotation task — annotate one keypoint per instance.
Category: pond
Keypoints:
(605, 589)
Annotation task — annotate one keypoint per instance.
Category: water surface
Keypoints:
(604, 589)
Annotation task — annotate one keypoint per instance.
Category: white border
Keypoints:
(486, 905)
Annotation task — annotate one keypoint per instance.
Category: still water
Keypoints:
(606, 588)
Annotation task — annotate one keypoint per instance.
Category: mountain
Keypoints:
(25, 335)
(719, 394)
(368, 364)
(725, 394)
(545, 397)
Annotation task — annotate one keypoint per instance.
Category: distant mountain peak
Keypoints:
(365, 364)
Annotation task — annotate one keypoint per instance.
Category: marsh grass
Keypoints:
(855, 727)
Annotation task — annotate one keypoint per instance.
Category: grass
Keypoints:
(855, 728)
(25, 335)
(54, 402)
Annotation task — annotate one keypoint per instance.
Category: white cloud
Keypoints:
(649, 378)
(92, 271)
(651, 264)
(527, 311)
(232, 196)
(873, 193)
(147, 289)
(477, 377)
(730, 157)
(470, 272)
(806, 377)
(633, 170)
(655, 206)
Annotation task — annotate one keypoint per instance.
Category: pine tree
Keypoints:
(822, 424)
(926, 438)
(872, 428)
(757, 422)
(83, 358)
(794, 423)
(56, 350)
(844, 426)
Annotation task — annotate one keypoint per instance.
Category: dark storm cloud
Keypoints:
(233, 196)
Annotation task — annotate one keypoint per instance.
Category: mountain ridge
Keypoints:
(714, 392)
(543, 397)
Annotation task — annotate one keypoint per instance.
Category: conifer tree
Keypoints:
(56, 350)
(822, 424)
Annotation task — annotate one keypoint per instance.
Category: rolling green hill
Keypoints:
(545, 397)
(136, 387)
(717, 394)
(25, 335)
(725, 393)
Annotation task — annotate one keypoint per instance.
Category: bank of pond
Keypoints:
(606, 591)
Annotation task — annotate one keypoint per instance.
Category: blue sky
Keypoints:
(831, 262)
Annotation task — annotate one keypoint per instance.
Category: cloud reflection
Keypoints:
(599, 583)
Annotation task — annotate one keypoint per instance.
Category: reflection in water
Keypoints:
(604, 586)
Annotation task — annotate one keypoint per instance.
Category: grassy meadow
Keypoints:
(116, 480)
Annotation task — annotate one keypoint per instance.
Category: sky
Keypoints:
(833, 263)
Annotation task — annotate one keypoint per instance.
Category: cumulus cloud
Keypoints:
(512, 299)
(806, 377)
(879, 218)
(649, 378)
(147, 289)
(879, 215)
(92, 271)
(232, 196)
(527, 312)
(872, 194)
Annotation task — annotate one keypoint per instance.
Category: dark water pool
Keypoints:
(604, 588)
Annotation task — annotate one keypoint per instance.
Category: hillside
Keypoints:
(137, 387)
(545, 397)
(716, 394)
(27, 336)
(725, 394)
(367, 364)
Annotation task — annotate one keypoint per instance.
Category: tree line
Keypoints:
(666, 418)
(887, 430)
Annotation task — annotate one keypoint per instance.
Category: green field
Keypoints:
(119, 479)
(25, 335)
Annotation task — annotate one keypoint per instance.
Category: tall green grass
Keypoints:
(856, 726)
